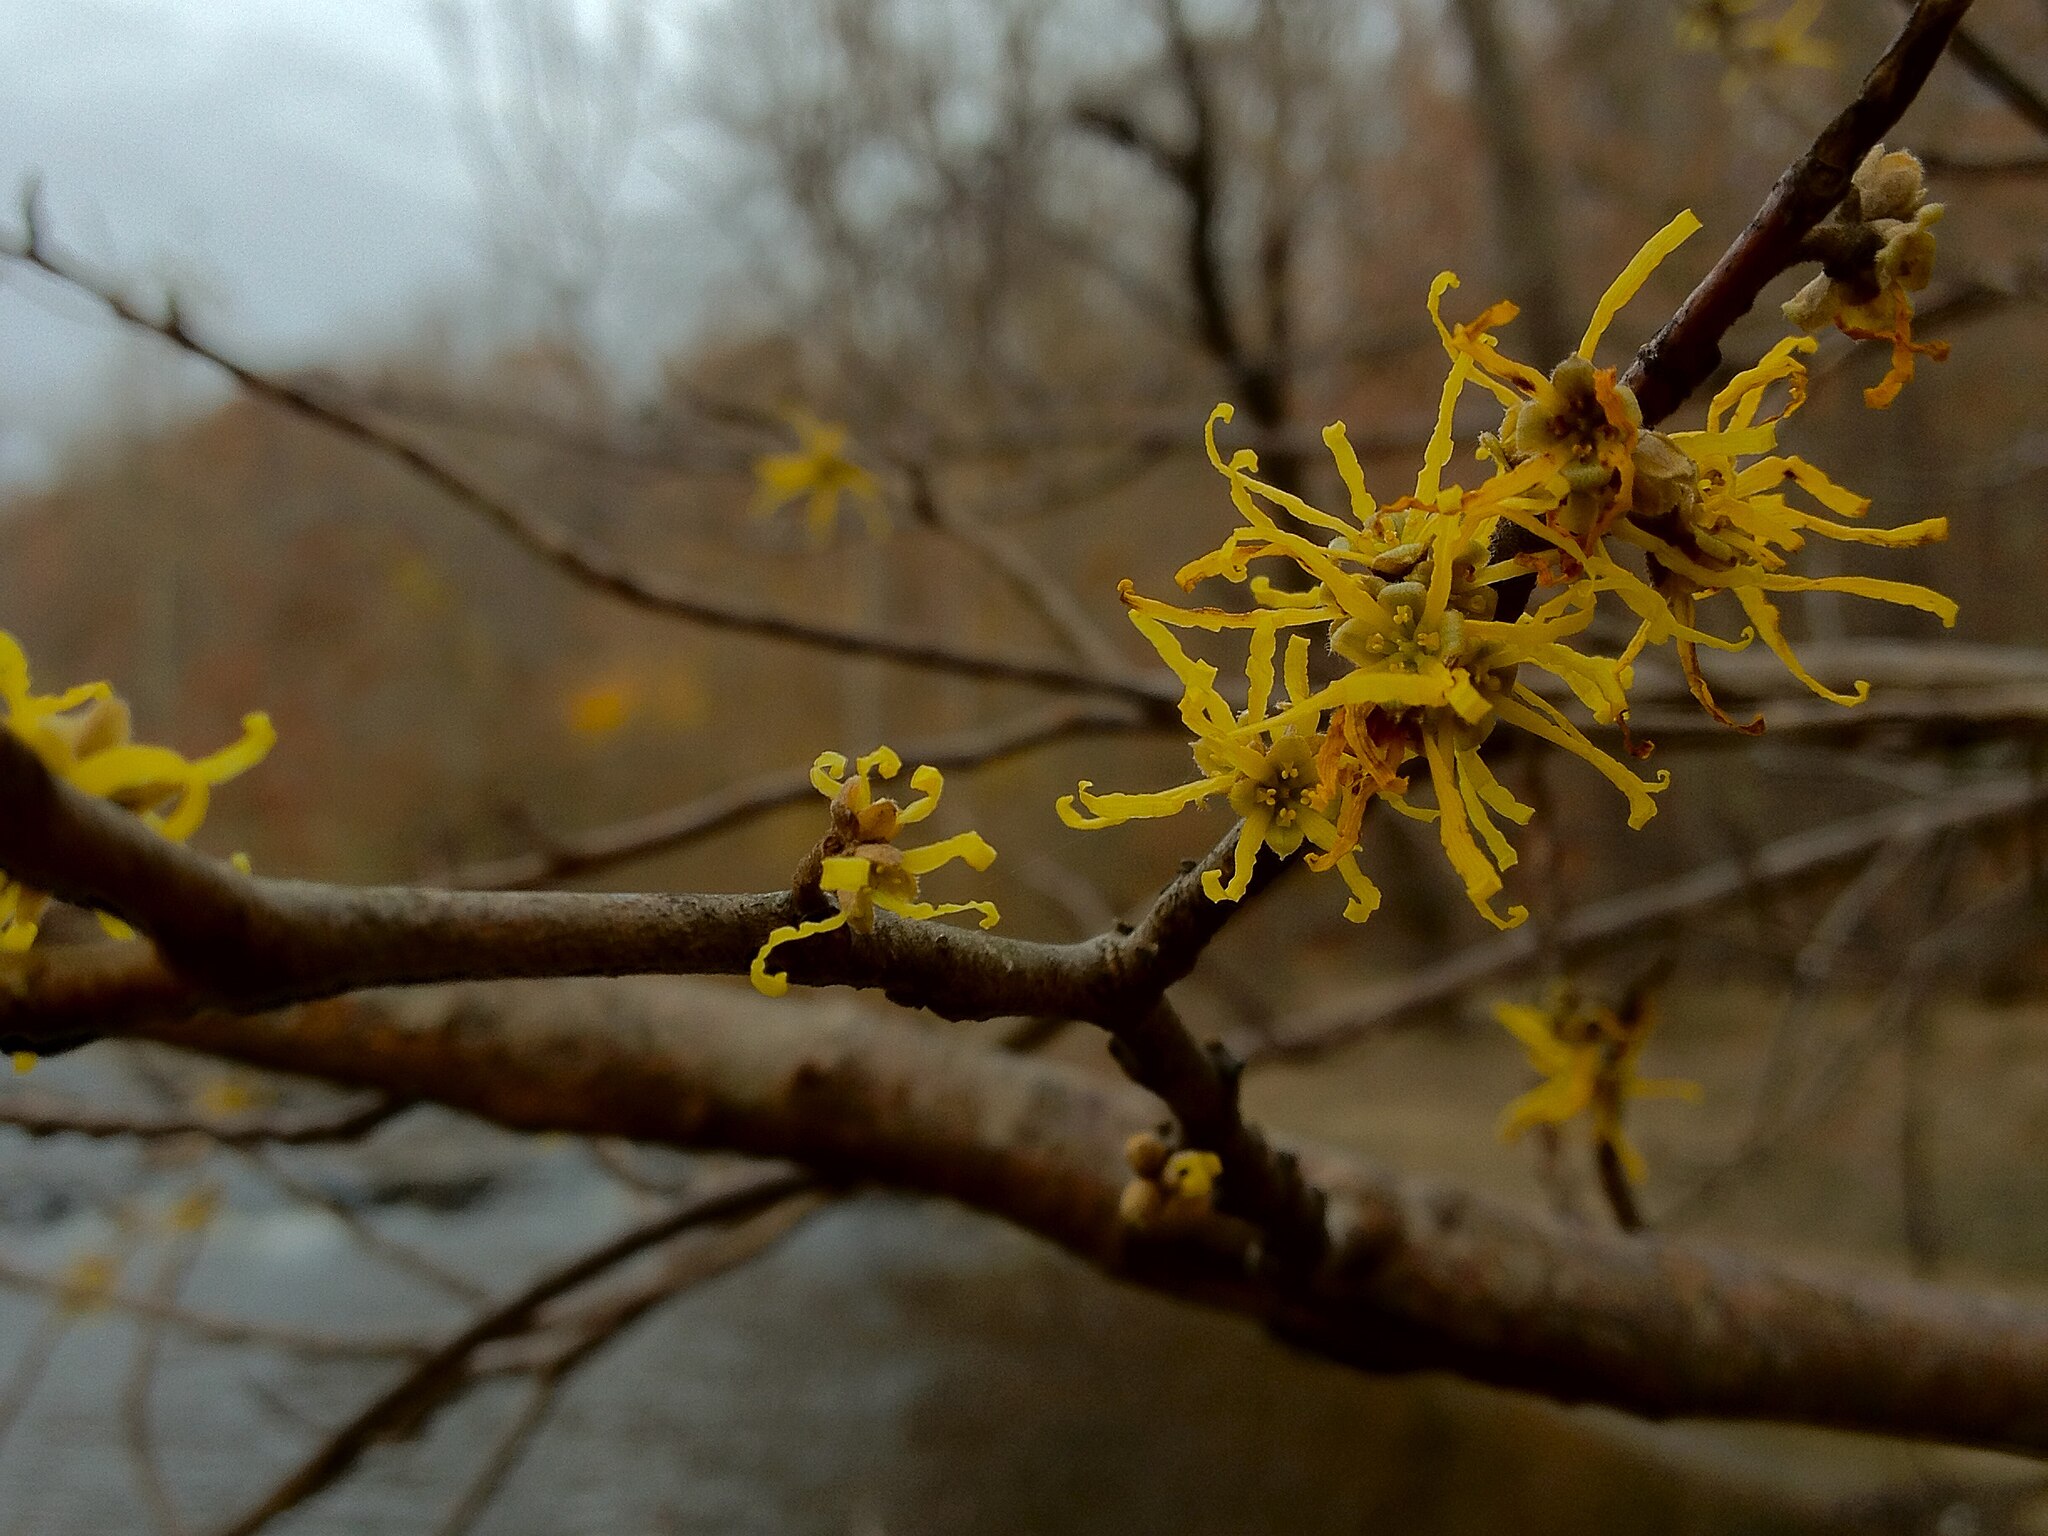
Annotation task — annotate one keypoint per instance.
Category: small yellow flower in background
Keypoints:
(1752, 43)
(232, 1093)
(87, 1282)
(820, 471)
(1587, 1058)
(194, 1210)
(24, 1062)
(859, 863)
(602, 708)
(83, 737)
(1879, 247)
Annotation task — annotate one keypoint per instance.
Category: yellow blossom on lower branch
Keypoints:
(1587, 1058)
(83, 736)
(1168, 1188)
(859, 864)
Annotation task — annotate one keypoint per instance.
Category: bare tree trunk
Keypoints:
(1524, 192)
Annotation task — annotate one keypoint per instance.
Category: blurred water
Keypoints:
(893, 1366)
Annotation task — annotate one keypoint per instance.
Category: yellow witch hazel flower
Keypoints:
(1405, 598)
(1879, 249)
(1587, 1057)
(821, 472)
(83, 737)
(1705, 508)
(859, 863)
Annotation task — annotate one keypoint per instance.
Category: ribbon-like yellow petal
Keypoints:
(775, 983)
(1634, 275)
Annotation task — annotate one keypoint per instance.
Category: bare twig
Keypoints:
(1802, 854)
(136, 1429)
(235, 1332)
(1907, 994)
(407, 1403)
(400, 1256)
(35, 1115)
(667, 830)
(576, 557)
(693, 1266)
(1040, 590)
(1991, 70)
(1524, 197)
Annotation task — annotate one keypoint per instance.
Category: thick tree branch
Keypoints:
(228, 940)
(1420, 1278)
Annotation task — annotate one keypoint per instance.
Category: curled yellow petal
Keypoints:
(845, 873)
(930, 784)
(883, 763)
(1350, 471)
(1539, 717)
(828, 773)
(1251, 837)
(775, 983)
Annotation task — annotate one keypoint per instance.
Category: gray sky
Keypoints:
(291, 167)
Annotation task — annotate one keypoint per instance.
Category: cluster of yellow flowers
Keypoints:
(1406, 599)
(83, 736)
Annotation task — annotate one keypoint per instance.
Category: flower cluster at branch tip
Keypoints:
(821, 472)
(83, 737)
(858, 863)
(1168, 1188)
(1587, 1058)
(1876, 251)
(1753, 41)
(1420, 660)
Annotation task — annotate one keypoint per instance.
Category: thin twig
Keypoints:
(1963, 932)
(1687, 349)
(39, 1116)
(136, 1428)
(1021, 571)
(410, 1400)
(230, 1331)
(580, 559)
(1362, 1013)
(400, 1256)
(666, 831)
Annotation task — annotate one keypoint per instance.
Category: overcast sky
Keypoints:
(292, 167)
